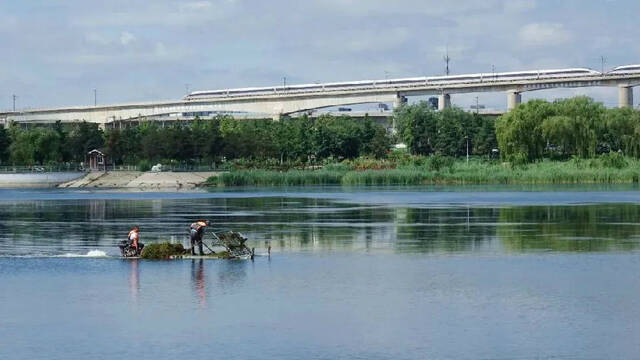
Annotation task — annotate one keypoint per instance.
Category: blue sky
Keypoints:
(56, 52)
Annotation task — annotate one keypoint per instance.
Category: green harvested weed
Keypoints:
(162, 250)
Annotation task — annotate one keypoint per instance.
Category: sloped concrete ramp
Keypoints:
(141, 180)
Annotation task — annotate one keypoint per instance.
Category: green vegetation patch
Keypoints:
(162, 250)
(605, 169)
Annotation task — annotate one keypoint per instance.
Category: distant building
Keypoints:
(433, 101)
(383, 107)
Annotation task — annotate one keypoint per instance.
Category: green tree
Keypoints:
(559, 131)
(206, 138)
(519, 132)
(450, 139)
(5, 144)
(375, 139)
(621, 131)
(83, 138)
(339, 137)
(416, 125)
(584, 120)
(483, 137)
(35, 146)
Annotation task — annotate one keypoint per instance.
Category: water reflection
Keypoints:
(55, 227)
(134, 280)
(231, 274)
(570, 228)
(199, 282)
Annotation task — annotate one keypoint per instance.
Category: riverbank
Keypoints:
(37, 180)
(575, 171)
(141, 180)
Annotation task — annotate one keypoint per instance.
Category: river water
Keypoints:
(368, 273)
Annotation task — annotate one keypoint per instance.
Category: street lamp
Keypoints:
(467, 139)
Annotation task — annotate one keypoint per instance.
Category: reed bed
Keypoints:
(459, 172)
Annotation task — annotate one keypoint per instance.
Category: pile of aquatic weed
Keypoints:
(162, 250)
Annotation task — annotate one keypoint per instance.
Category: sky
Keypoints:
(55, 53)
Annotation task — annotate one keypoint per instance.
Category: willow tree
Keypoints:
(519, 132)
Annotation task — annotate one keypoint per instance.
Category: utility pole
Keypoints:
(446, 59)
(14, 102)
(284, 81)
(186, 89)
(603, 60)
(95, 97)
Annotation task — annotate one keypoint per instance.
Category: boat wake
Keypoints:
(90, 254)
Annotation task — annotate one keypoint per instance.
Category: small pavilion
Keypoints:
(97, 160)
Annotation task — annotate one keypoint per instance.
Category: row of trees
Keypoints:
(293, 139)
(290, 140)
(561, 129)
(564, 128)
(426, 131)
(44, 145)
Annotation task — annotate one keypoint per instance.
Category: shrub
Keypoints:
(613, 160)
(162, 250)
(144, 165)
(517, 159)
(438, 162)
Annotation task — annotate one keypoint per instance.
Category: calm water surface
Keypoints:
(402, 273)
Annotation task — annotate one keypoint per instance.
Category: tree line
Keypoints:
(450, 132)
(289, 140)
(576, 127)
(562, 129)
(559, 130)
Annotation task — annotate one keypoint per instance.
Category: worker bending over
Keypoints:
(196, 234)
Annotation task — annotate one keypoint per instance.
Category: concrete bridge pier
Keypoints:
(625, 96)
(397, 103)
(444, 101)
(514, 99)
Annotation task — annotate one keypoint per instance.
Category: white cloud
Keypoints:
(126, 38)
(544, 34)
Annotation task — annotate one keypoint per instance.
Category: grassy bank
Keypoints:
(575, 171)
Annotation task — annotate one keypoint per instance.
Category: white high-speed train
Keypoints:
(397, 83)
(627, 69)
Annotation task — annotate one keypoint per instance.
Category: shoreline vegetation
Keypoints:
(567, 141)
(606, 169)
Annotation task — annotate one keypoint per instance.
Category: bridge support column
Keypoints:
(444, 101)
(399, 101)
(625, 96)
(514, 99)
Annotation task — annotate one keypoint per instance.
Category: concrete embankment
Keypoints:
(37, 180)
(140, 180)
